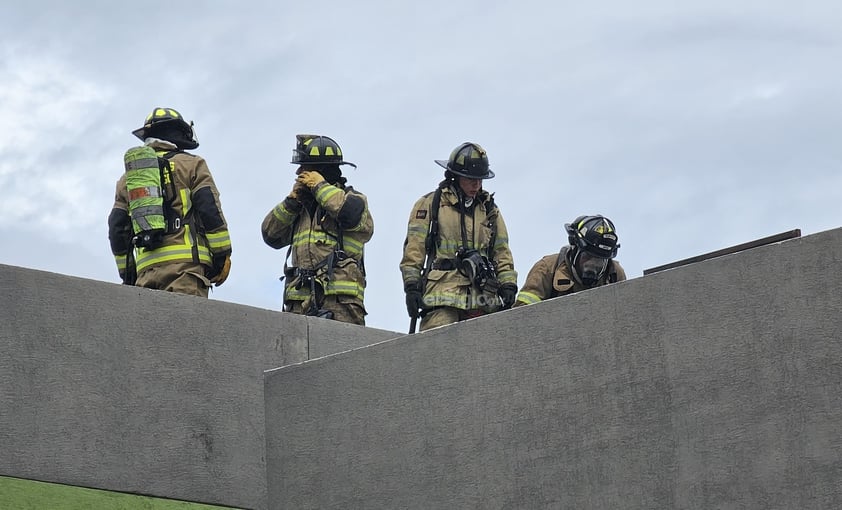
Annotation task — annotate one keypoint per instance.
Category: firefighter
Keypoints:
(326, 225)
(586, 262)
(456, 261)
(194, 249)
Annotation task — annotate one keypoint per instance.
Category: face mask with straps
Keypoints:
(588, 269)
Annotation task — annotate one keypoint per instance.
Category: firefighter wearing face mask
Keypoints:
(325, 223)
(587, 262)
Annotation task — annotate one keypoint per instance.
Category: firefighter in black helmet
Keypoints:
(586, 262)
(326, 225)
(456, 260)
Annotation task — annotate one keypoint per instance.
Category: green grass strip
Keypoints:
(19, 494)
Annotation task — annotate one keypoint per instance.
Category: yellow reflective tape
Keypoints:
(329, 151)
(411, 274)
(456, 300)
(323, 193)
(314, 151)
(507, 277)
(344, 287)
(528, 297)
(347, 288)
(352, 245)
(171, 254)
(282, 214)
(418, 229)
(314, 235)
(186, 202)
(219, 239)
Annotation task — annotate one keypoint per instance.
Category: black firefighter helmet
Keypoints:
(594, 235)
(468, 160)
(168, 124)
(317, 150)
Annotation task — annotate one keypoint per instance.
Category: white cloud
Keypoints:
(46, 108)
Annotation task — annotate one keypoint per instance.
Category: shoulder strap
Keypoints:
(166, 175)
(490, 205)
(433, 232)
(489, 208)
(562, 254)
(612, 272)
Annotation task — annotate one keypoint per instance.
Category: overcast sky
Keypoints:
(694, 126)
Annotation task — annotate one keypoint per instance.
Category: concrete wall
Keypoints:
(713, 385)
(134, 390)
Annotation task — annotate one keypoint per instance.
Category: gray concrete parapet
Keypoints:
(713, 385)
(141, 391)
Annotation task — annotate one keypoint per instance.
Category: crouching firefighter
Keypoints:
(325, 224)
(166, 227)
(587, 261)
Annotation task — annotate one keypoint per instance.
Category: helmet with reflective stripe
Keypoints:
(594, 235)
(317, 150)
(468, 160)
(165, 118)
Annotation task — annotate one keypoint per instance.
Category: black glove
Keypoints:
(414, 298)
(508, 293)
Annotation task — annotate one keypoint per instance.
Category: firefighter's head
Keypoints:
(468, 166)
(320, 153)
(593, 241)
(167, 124)
(467, 160)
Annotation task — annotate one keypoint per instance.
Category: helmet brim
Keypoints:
(321, 163)
(442, 163)
(140, 133)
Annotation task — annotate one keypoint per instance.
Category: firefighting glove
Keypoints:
(310, 178)
(221, 268)
(414, 298)
(508, 293)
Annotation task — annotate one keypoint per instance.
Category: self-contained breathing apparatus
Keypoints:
(150, 189)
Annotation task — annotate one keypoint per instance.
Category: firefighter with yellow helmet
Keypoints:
(190, 248)
(456, 261)
(586, 262)
(325, 224)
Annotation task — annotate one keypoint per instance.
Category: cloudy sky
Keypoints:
(693, 125)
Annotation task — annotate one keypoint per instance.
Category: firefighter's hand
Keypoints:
(414, 298)
(298, 190)
(221, 268)
(310, 178)
(508, 293)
